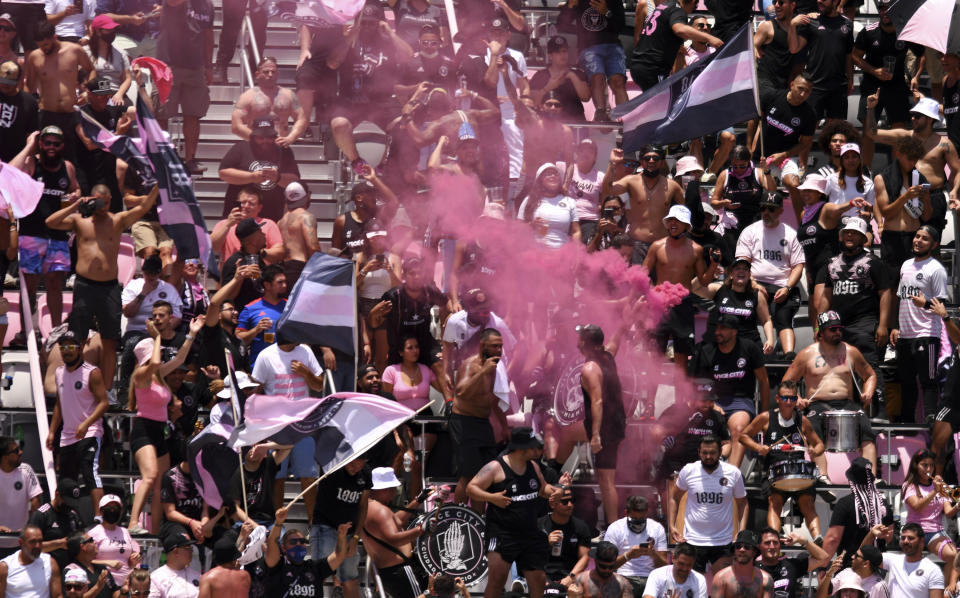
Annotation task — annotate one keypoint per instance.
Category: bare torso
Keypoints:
(933, 164)
(473, 402)
(593, 586)
(221, 581)
(751, 584)
(381, 523)
(98, 244)
(292, 228)
(56, 76)
(676, 260)
(827, 377)
(544, 142)
(648, 206)
(278, 102)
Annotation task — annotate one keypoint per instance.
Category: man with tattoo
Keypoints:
(268, 100)
(939, 152)
(678, 579)
(603, 581)
(743, 579)
(298, 228)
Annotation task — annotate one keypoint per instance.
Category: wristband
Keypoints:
(191, 338)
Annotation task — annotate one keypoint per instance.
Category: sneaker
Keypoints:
(519, 585)
(70, 281)
(790, 356)
(708, 178)
(338, 591)
(194, 166)
(137, 531)
(826, 495)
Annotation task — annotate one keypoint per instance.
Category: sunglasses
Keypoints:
(46, 143)
(87, 541)
(768, 208)
(605, 566)
(858, 556)
(551, 104)
(790, 398)
(566, 501)
(74, 586)
(298, 541)
(69, 346)
(651, 158)
(192, 262)
(702, 26)
(16, 450)
(744, 545)
(7, 29)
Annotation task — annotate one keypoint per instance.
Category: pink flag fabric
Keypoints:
(19, 191)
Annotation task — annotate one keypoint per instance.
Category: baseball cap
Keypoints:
(772, 198)
(557, 43)
(383, 478)
(176, 540)
(246, 227)
(728, 321)
(152, 264)
(828, 319)
(373, 228)
(297, 191)
(591, 332)
(704, 388)
(523, 438)
(849, 147)
(678, 212)
(244, 381)
(225, 549)
(604, 551)
(104, 22)
(108, 499)
(68, 337)
(741, 259)
(373, 10)
(263, 127)
(101, 86)
(361, 188)
(499, 23)
(927, 107)
(9, 73)
(8, 18)
(69, 491)
(75, 575)
(51, 130)
(688, 164)
(814, 182)
(466, 132)
(545, 167)
(747, 537)
(857, 225)
(872, 555)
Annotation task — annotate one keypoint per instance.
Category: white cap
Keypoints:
(688, 164)
(109, 498)
(678, 212)
(857, 225)
(927, 107)
(75, 575)
(708, 209)
(295, 192)
(814, 182)
(383, 477)
(849, 147)
(243, 380)
(545, 167)
(847, 580)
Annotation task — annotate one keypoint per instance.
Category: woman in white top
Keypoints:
(850, 182)
(110, 62)
(378, 271)
(552, 214)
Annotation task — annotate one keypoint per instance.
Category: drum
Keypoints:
(456, 547)
(842, 429)
(789, 471)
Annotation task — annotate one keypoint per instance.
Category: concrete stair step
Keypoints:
(215, 149)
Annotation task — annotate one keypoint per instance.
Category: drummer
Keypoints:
(827, 369)
(783, 430)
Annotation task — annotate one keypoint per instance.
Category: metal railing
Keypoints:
(247, 80)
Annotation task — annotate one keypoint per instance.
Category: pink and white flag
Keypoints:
(18, 190)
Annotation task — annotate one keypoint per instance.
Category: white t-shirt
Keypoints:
(112, 66)
(585, 189)
(557, 212)
(507, 112)
(709, 513)
(19, 486)
(274, 370)
(930, 278)
(772, 252)
(620, 535)
(163, 292)
(912, 579)
(167, 583)
(836, 195)
(458, 330)
(662, 583)
(73, 25)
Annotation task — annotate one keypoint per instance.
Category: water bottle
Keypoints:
(464, 97)
(556, 549)
(407, 462)
(8, 376)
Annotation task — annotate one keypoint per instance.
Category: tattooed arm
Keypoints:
(718, 587)
(767, 584)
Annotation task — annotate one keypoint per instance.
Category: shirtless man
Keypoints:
(440, 117)
(226, 578)
(743, 579)
(676, 258)
(467, 164)
(603, 581)
(299, 230)
(474, 442)
(52, 71)
(269, 100)
(545, 138)
(827, 369)
(96, 291)
(651, 195)
(939, 151)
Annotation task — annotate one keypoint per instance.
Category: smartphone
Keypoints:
(380, 257)
(608, 213)
(925, 186)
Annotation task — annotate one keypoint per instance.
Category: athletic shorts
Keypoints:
(314, 75)
(301, 463)
(678, 325)
(830, 103)
(403, 581)
(39, 255)
(895, 102)
(190, 95)
(737, 404)
(148, 432)
(530, 552)
(782, 313)
(710, 554)
(473, 444)
(81, 461)
(934, 68)
(148, 233)
(607, 457)
(819, 423)
(95, 300)
(604, 59)
(951, 415)
(379, 113)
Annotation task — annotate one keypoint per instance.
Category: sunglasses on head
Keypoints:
(87, 541)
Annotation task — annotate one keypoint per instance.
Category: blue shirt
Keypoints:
(251, 314)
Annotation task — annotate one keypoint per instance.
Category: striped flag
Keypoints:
(213, 463)
(707, 96)
(925, 22)
(322, 308)
(344, 425)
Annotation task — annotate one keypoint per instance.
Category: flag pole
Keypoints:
(234, 389)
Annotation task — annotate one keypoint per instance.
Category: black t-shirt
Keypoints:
(951, 110)
(250, 290)
(729, 16)
(845, 515)
(856, 283)
(242, 156)
(576, 533)
(787, 574)
(338, 497)
(178, 487)
(570, 104)
(368, 73)
(439, 71)
(591, 26)
(732, 372)
(287, 580)
(259, 486)
(57, 525)
(829, 41)
(657, 49)
(56, 184)
(93, 574)
(182, 34)
(18, 118)
(213, 340)
(411, 316)
(783, 123)
(877, 45)
(686, 426)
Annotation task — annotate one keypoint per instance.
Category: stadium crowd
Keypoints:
(501, 260)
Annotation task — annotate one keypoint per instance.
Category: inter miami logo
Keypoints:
(78, 385)
(456, 547)
(568, 397)
(18, 486)
(319, 417)
(724, 481)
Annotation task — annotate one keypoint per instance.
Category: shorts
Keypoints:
(40, 256)
(678, 325)
(473, 444)
(148, 432)
(189, 96)
(829, 103)
(934, 68)
(893, 100)
(640, 250)
(403, 581)
(379, 113)
(710, 554)
(323, 541)
(607, 457)
(637, 584)
(99, 300)
(896, 247)
(951, 416)
(782, 313)
(314, 75)
(588, 228)
(604, 59)
(929, 537)
(819, 423)
(301, 462)
(766, 489)
(790, 167)
(149, 233)
(530, 552)
(292, 270)
(81, 460)
(737, 404)
(645, 79)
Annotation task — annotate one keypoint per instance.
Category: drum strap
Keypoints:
(853, 378)
(390, 547)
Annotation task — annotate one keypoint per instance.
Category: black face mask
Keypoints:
(111, 516)
(73, 362)
(637, 525)
(650, 174)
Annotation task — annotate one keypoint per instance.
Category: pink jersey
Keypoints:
(76, 402)
(152, 402)
(115, 545)
(929, 517)
(413, 397)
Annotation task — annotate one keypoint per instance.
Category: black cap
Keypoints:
(102, 86)
(747, 537)
(152, 264)
(176, 540)
(604, 551)
(225, 549)
(729, 321)
(500, 23)
(263, 127)
(362, 187)
(430, 28)
(741, 260)
(828, 319)
(591, 332)
(247, 227)
(704, 388)
(68, 337)
(373, 10)
(69, 491)
(555, 589)
(363, 370)
(523, 438)
(857, 472)
(772, 198)
(412, 261)
(557, 42)
(872, 554)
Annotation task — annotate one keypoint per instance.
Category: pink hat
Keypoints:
(104, 22)
(814, 182)
(143, 351)
(688, 164)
